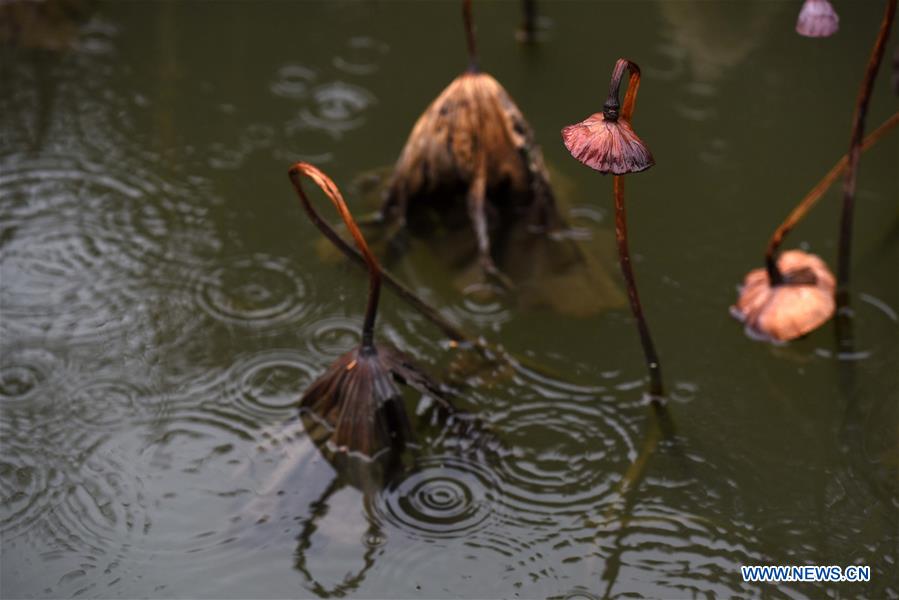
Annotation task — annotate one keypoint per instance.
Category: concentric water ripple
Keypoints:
(667, 552)
(868, 315)
(108, 404)
(76, 495)
(338, 108)
(360, 56)
(24, 375)
(81, 246)
(444, 497)
(482, 303)
(271, 382)
(332, 336)
(562, 458)
(293, 82)
(253, 291)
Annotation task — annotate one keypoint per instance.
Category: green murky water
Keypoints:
(164, 301)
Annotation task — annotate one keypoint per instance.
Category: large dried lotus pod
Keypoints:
(473, 128)
(817, 19)
(358, 400)
(607, 146)
(801, 304)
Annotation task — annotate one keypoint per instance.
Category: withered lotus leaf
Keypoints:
(358, 400)
(607, 146)
(472, 139)
(783, 312)
(817, 18)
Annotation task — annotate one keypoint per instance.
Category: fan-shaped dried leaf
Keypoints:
(607, 146)
(817, 19)
(804, 302)
(358, 400)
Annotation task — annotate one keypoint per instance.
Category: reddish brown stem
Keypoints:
(775, 277)
(469, 36)
(374, 269)
(624, 258)
(855, 143)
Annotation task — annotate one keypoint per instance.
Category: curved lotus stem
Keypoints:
(611, 107)
(469, 36)
(401, 290)
(858, 131)
(775, 277)
(374, 269)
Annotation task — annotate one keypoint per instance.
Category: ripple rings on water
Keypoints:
(442, 498)
(254, 291)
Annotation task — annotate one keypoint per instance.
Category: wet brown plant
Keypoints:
(473, 142)
(358, 398)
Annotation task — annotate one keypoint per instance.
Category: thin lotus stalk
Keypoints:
(374, 268)
(469, 37)
(649, 351)
(607, 143)
(527, 33)
(858, 131)
(775, 276)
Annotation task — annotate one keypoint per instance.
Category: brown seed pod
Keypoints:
(817, 18)
(607, 146)
(802, 302)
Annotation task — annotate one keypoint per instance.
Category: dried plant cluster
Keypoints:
(473, 148)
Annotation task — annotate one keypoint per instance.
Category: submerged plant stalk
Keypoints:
(855, 143)
(775, 277)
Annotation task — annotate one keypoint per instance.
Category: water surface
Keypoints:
(164, 301)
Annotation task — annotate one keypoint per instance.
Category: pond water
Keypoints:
(164, 301)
